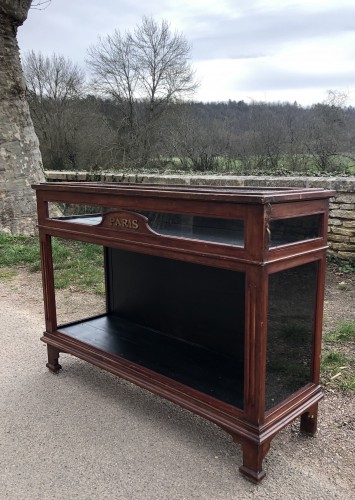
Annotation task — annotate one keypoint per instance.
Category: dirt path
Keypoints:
(178, 455)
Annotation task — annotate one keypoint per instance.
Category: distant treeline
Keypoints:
(135, 112)
(92, 133)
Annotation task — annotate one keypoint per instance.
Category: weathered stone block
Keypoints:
(319, 182)
(335, 222)
(347, 206)
(340, 246)
(349, 223)
(343, 184)
(338, 238)
(345, 255)
(344, 231)
(345, 197)
(343, 214)
(55, 176)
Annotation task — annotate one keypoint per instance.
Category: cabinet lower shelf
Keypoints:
(194, 366)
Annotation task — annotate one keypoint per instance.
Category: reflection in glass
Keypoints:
(73, 210)
(227, 231)
(293, 229)
(90, 220)
(291, 312)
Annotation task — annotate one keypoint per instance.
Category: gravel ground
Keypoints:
(86, 434)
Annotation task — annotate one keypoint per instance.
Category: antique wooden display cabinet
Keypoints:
(214, 299)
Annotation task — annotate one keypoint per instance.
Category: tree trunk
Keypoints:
(20, 157)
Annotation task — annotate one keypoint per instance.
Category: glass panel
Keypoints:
(293, 229)
(79, 279)
(291, 312)
(80, 214)
(227, 231)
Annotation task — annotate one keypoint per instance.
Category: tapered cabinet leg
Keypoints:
(309, 420)
(53, 357)
(253, 456)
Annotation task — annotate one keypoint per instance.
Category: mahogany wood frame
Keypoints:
(253, 427)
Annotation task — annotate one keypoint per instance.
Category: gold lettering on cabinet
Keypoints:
(123, 222)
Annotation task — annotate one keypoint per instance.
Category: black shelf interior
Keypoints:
(195, 366)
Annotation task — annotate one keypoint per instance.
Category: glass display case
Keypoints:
(214, 298)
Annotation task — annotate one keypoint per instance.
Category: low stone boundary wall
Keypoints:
(341, 234)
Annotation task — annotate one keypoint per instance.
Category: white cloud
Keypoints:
(264, 48)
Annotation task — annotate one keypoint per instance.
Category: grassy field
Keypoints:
(78, 265)
(304, 165)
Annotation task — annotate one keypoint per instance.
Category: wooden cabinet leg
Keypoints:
(53, 356)
(309, 420)
(253, 456)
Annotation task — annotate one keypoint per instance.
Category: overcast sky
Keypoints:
(264, 50)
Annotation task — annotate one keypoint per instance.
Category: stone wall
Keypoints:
(341, 234)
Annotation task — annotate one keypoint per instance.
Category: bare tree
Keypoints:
(199, 141)
(326, 130)
(144, 72)
(54, 86)
(20, 158)
(115, 74)
(161, 61)
(56, 78)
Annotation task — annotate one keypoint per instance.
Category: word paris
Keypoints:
(124, 223)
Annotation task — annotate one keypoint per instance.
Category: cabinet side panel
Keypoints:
(291, 326)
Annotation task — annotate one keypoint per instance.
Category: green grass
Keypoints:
(343, 286)
(334, 361)
(345, 332)
(337, 370)
(18, 250)
(341, 266)
(304, 165)
(78, 266)
(7, 274)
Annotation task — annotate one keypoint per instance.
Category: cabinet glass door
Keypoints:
(291, 313)
(212, 229)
